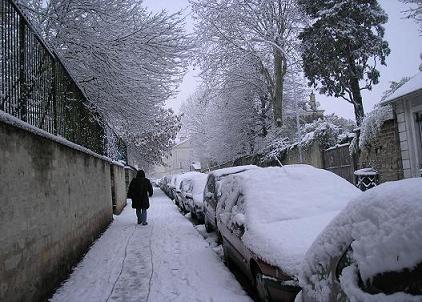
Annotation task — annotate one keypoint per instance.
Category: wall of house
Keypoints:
(384, 154)
(410, 147)
(55, 201)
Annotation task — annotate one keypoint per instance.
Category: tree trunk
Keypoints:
(263, 116)
(354, 85)
(279, 69)
(357, 101)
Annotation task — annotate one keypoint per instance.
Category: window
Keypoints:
(408, 281)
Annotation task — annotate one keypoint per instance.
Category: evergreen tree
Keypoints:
(342, 46)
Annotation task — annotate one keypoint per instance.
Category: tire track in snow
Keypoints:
(123, 263)
(152, 261)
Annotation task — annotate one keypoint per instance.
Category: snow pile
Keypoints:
(383, 226)
(372, 124)
(283, 209)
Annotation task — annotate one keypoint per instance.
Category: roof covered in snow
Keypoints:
(414, 84)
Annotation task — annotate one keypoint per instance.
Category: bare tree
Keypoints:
(415, 11)
(127, 60)
(263, 32)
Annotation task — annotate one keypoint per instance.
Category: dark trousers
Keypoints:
(142, 215)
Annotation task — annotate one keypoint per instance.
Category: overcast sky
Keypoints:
(401, 33)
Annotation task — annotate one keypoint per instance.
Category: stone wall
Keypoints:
(130, 173)
(311, 155)
(118, 188)
(55, 201)
(384, 153)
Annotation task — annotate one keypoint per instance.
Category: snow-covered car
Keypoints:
(193, 195)
(269, 217)
(164, 184)
(372, 251)
(172, 187)
(211, 192)
(177, 193)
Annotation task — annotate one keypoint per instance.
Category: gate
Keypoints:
(339, 161)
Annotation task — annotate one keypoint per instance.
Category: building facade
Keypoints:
(181, 159)
(407, 104)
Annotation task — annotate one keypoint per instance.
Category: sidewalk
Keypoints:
(167, 260)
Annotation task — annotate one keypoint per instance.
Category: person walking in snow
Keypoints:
(140, 189)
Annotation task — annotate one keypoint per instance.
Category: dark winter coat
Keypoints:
(140, 189)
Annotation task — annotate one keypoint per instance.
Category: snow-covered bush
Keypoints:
(274, 146)
(321, 131)
(372, 124)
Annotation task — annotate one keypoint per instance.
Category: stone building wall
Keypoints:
(384, 153)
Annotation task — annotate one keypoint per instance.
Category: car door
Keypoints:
(210, 200)
(236, 245)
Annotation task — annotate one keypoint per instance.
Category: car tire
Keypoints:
(261, 288)
(226, 257)
(208, 226)
(219, 237)
(193, 215)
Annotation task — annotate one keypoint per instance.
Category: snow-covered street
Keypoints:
(167, 260)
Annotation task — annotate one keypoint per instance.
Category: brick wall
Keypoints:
(384, 153)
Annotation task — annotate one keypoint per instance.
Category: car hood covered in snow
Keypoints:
(384, 227)
(283, 209)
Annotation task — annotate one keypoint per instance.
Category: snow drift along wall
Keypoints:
(55, 200)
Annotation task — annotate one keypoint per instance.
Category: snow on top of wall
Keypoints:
(384, 227)
(285, 208)
(13, 121)
(414, 84)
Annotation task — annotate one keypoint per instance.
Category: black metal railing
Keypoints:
(37, 88)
